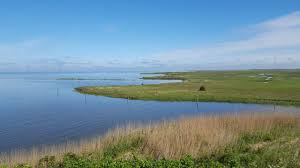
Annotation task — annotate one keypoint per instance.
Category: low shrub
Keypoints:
(202, 88)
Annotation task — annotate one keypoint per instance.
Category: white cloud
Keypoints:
(274, 42)
(287, 21)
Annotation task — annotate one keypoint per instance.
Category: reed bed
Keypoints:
(202, 135)
(196, 136)
(33, 155)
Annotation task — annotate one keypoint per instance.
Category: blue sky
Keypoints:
(148, 35)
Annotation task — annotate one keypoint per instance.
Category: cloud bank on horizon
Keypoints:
(274, 43)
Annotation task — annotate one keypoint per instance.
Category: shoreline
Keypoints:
(287, 103)
(174, 139)
(187, 89)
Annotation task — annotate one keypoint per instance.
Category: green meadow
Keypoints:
(247, 86)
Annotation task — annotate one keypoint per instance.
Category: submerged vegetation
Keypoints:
(249, 86)
(243, 140)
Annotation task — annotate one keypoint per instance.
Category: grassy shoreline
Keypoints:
(249, 86)
(244, 140)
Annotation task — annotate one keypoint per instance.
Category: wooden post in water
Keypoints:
(128, 109)
(197, 100)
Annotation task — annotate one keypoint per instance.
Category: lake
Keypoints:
(37, 109)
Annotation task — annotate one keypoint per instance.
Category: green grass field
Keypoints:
(248, 86)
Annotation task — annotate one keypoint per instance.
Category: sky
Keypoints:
(148, 35)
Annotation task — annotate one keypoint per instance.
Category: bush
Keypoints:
(202, 88)
(47, 162)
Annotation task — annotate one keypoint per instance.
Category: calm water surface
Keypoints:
(36, 109)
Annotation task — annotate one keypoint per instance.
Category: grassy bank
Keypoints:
(251, 86)
(245, 140)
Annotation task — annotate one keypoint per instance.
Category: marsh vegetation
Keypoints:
(243, 140)
(248, 86)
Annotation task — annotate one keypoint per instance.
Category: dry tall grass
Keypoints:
(203, 135)
(172, 139)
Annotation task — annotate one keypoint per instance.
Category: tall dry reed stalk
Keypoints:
(196, 136)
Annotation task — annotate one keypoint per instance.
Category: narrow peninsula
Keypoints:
(243, 86)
